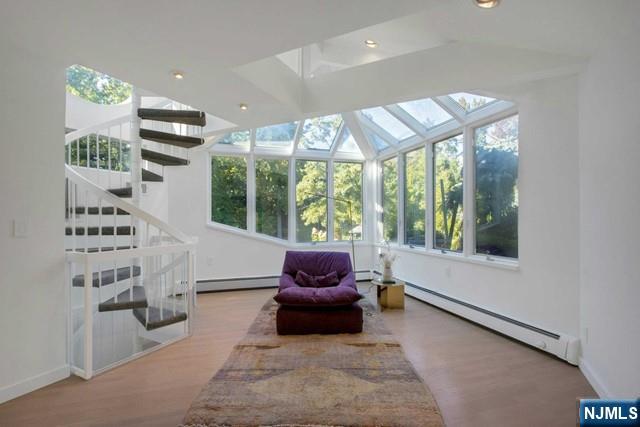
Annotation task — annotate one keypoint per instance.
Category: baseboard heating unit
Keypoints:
(564, 346)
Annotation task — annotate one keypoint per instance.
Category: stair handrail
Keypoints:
(117, 202)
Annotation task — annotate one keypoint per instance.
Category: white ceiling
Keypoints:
(226, 48)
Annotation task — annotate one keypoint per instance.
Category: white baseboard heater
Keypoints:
(564, 346)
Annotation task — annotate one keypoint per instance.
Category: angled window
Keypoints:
(229, 191)
(95, 86)
(281, 135)
(471, 102)
(447, 194)
(319, 133)
(496, 151)
(390, 200)
(272, 197)
(311, 201)
(348, 143)
(414, 197)
(426, 111)
(388, 122)
(347, 205)
(241, 138)
(378, 143)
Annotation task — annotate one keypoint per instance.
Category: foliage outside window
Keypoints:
(496, 151)
(96, 87)
(311, 201)
(447, 203)
(108, 153)
(414, 198)
(281, 135)
(390, 200)
(319, 133)
(272, 197)
(347, 187)
(236, 138)
(229, 191)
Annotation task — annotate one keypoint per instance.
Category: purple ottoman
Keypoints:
(318, 310)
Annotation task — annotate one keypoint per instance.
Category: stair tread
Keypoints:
(187, 117)
(125, 192)
(171, 138)
(158, 317)
(102, 249)
(94, 210)
(124, 300)
(163, 159)
(108, 276)
(149, 176)
(121, 230)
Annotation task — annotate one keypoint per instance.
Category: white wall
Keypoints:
(544, 291)
(32, 291)
(221, 254)
(609, 209)
(81, 113)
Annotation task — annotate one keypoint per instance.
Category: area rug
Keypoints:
(315, 380)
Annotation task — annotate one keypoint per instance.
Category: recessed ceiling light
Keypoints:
(178, 75)
(243, 107)
(486, 4)
(370, 43)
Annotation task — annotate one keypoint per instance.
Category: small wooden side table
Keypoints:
(390, 295)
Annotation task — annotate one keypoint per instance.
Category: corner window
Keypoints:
(496, 164)
(272, 198)
(229, 191)
(414, 198)
(390, 200)
(447, 194)
(311, 201)
(347, 203)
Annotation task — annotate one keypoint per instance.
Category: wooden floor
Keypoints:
(478, 378)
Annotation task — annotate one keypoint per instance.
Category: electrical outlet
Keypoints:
(20, 228)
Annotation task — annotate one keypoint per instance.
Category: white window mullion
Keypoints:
(468, 192)
(251, 193)
(292, 201)
(429, 205)
(330, 201)
(400, 189)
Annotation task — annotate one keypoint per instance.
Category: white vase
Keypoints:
(387, 274)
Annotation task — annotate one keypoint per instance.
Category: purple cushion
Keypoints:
(317, 263)
(327, 297)
(307, 280)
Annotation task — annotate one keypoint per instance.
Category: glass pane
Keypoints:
(389, 123)
(426, 112)
(414, 197)
(471, 102)
(447, 180)
(272, 196)
(229, 191)
(281, 135)
(318, 133)
(348, 143)
(237, 138)
(390, 200)
(496, 188)
(311, 201)
(378, 143)
(347, 190)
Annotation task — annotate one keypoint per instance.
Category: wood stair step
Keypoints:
(95, 210)
(101, 249)
(187, 117)
(122, 230)
(171, 138)
(148, 176)
(158, 317)
(108, 276)
(124, 192)
(124, 300)
(163, 159)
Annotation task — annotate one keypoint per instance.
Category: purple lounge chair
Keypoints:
(306, 309)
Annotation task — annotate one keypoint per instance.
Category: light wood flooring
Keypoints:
(479, 378)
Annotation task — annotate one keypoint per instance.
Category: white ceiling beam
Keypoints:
(366, 147)
(452, 107)
(406, 119)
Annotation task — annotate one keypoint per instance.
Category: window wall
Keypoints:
(390, 200)
(311, 201)
(229, 191)
(414, 197)
(447, 191)
(347, 201)
(272, 197)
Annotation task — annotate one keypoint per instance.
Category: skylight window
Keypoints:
(388, 123)
(426, 111)
(241, 138)
(281, 135)
(471, 102)
(379, 143)
(319, 133)
(348, 143)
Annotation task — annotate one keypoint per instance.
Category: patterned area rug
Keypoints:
(315, 380)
